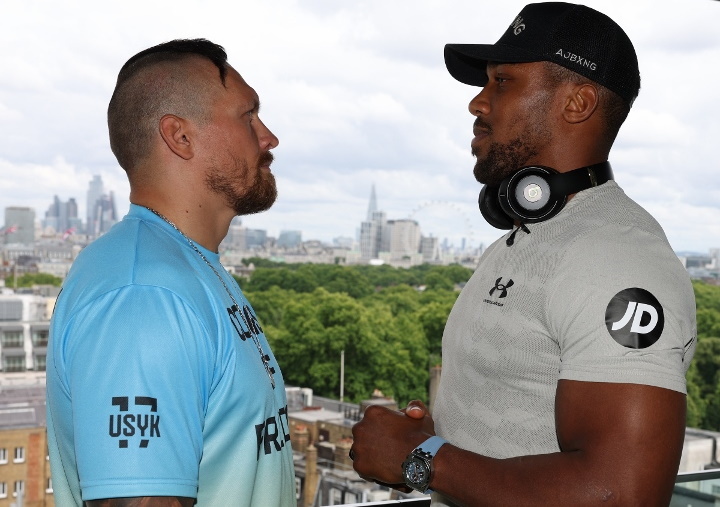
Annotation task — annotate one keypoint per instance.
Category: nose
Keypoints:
(479, 104)
(266, 138)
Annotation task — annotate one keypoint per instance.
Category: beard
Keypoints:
(252, 198)
(504, 159)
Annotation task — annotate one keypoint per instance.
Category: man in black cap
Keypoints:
(564, 357)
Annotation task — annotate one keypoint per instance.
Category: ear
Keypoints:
(175, 131)
(581, 103)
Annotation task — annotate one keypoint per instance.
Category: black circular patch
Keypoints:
(634, 318)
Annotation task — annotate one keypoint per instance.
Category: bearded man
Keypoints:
(162, 389)
(564, 357)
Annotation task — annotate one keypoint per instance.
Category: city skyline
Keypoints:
(282, 235)
(358, 95)
(66, 217)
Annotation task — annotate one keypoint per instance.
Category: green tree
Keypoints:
(381, 350)
(708, 322)
(398, 299)
(696, 404)
(31, 279)
(436, 280)
(265, 278)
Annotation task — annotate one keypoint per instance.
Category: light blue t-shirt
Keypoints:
(156, 386)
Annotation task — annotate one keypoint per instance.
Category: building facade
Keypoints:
(19, 225)
(24, 465)
(24, 332)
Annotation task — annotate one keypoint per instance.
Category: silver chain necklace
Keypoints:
(263, 357)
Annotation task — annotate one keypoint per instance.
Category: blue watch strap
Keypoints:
(432, 444)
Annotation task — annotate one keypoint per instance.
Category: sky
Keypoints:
(358, 94)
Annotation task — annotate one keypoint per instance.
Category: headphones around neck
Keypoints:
(536, 193)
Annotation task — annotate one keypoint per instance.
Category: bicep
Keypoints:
(622, 430)
(138, 378)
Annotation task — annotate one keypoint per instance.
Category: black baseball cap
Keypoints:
(574, 36)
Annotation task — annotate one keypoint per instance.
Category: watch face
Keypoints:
(416, 472)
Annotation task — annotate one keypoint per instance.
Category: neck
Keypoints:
(202, 225)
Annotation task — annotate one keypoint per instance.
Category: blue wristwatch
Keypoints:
(418, 468)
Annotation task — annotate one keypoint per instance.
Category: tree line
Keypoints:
(389, 321)
(704, 374)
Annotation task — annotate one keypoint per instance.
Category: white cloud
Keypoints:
(358, 94)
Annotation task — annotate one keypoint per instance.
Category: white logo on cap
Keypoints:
(583, 62)
(518, 25)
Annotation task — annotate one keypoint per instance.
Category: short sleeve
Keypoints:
(138, 370)
(623, 310)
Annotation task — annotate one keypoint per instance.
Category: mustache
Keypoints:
(266, 159)
(479, 122)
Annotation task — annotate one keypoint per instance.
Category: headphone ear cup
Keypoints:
(527, 196)
(491, 210)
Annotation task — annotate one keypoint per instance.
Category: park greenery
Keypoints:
(32, 280)
(389, 321)
(704, 373)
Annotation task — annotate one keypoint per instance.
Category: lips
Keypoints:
(265, 159)
(479, 134)
(480, 130)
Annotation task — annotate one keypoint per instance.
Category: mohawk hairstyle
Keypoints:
(155, 82)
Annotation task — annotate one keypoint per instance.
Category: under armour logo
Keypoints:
(501, 287)
(634, 318)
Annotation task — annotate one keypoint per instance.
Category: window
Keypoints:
(298, 488)
(48, 488)
(14, 363)
(40, 337)
(40, 362)
(12, 339)
(19, 487)
(3, 489)
(3, 456)
(19, 455)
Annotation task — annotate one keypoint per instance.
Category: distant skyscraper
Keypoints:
(62, 216)
(289, 239)
(403, 238)
(19, 225)
(95, 190)
(372, 206)
(371, 230)
(371, 235)
(429, 249)
(255, 238)
(101, 213)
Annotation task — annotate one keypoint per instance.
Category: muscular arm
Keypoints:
(620, 445)
(157, 501)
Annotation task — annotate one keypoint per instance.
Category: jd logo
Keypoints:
(634, 318)
(501, 287)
